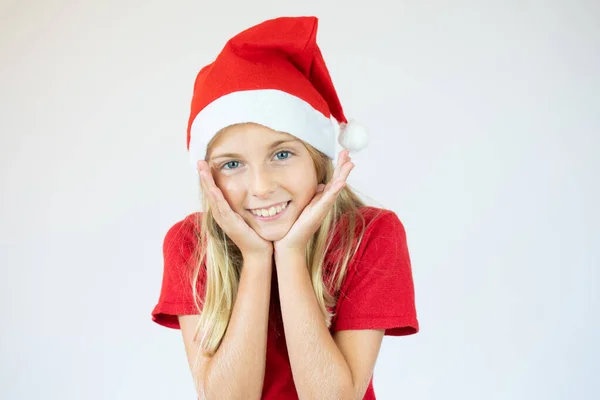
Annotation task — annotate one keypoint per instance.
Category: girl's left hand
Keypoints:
(313, 214)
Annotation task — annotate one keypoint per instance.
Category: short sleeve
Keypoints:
(176, 295)
(379, 292)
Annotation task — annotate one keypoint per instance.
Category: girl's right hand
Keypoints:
(246, 238)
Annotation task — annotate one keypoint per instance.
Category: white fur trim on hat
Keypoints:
(272, 108)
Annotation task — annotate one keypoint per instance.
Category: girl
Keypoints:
(285, 285)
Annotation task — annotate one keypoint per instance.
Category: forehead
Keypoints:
(245, 136)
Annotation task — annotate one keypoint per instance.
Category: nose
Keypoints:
(262, 182)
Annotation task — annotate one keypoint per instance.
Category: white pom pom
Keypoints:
(353, 136)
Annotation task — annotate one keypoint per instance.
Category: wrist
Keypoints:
(289, 253)
(255, 257)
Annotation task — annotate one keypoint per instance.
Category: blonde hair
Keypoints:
(223, 260)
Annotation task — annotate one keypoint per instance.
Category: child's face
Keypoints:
(261, 170)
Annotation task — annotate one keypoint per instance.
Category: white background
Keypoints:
(485, 124)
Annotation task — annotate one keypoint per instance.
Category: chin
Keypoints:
(273, 234)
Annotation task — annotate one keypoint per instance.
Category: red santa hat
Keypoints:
(272, 74)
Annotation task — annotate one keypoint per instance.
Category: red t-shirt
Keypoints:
(377, 292)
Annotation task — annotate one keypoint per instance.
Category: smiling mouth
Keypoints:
(273, 211)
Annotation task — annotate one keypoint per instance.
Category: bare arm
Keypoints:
(319, 368)
(237, 369)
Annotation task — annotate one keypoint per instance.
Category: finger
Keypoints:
(206, 180)
(208, 174)
(322, 202)
(334, 187)
(341, 172)
(222, 206)
(340, 161)
(209, 181)
(345, 171)
(201, 165)
(343, 159)
(216, 200)
(217, 203)
(207, 191)
(344, 154)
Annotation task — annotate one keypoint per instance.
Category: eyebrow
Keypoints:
(271, 147)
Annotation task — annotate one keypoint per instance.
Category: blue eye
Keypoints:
(231, 165)
(286, 154)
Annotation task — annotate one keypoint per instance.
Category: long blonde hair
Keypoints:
(222, 259)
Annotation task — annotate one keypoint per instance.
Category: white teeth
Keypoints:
(269, 212)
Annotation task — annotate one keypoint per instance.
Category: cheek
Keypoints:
(306, 195)
(303, 189)
(306, 181)
(232, 191)
(230, 186)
